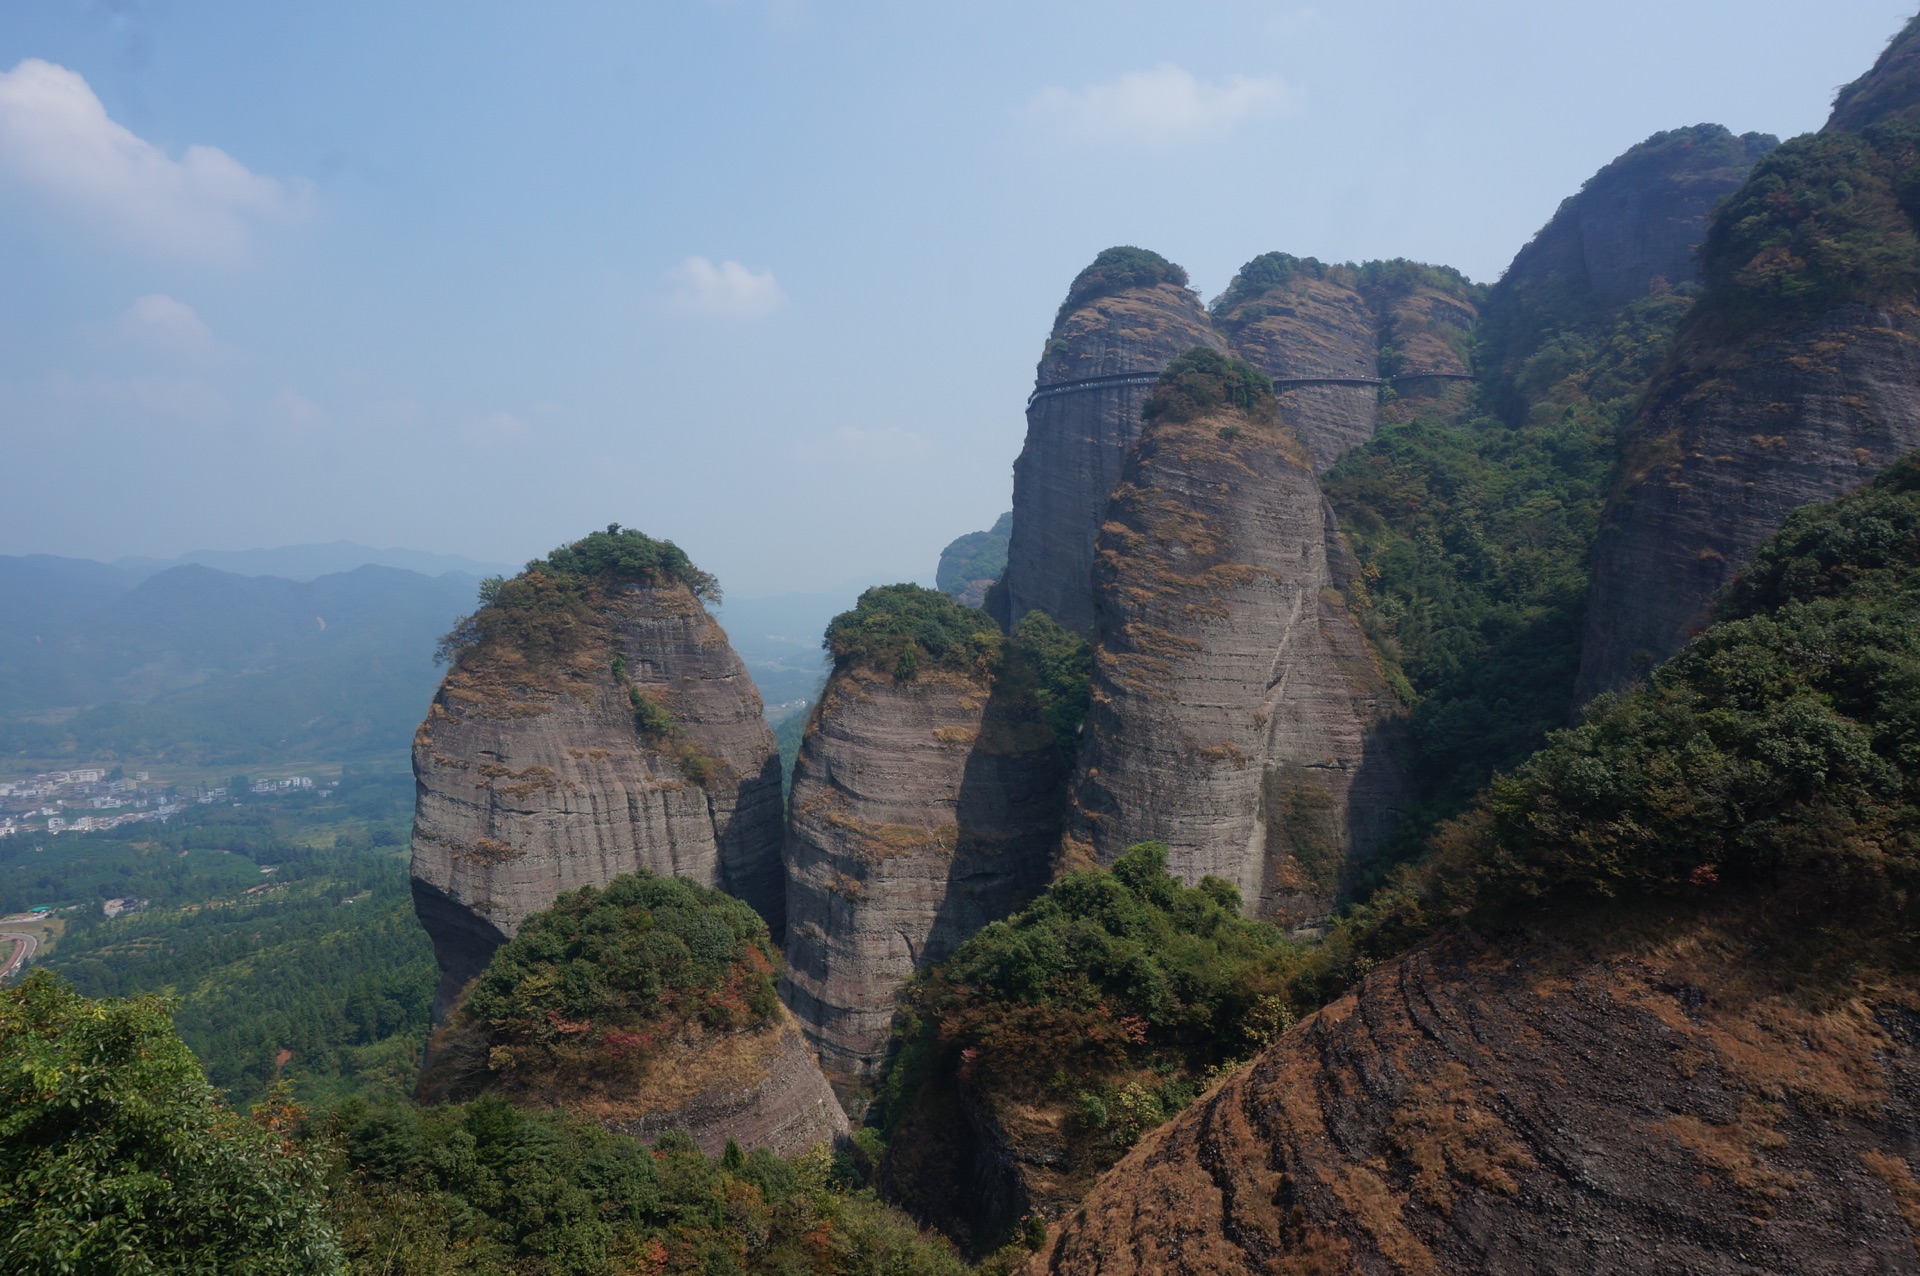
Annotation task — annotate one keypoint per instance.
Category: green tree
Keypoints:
(115, 1155)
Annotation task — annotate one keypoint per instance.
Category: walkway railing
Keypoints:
(1118, 379)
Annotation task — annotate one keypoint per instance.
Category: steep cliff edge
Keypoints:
(648, 1006)
(594, 721)
(1793, 378)
(1671, 1017)
(927, 800)
(1236, 707)
(1130, 312)
(1578, 1105)
(1632, 229)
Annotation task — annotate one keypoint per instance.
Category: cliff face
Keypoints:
(1588, 1104)
(532, 778)
(1724, 459)
(760, 1088)
(1792, 380)
(1077, 437)
(1889, 91)
(1236, 708)
(1301, 319)
(922, 809)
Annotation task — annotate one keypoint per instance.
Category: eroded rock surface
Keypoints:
(532, 777)
(1237, 711)
(922, 809)
(1582, 1105)
(1077, 440)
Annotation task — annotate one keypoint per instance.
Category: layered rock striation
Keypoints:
(1130, 312)
(927, 800)
(593, 724)
(1238, 714)
(1794, 378)
(1580, 1105)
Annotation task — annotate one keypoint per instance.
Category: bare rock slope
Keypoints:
(1237, 711)
(1587, 1104)
(924, 806)
(1130, 312)
(536, 774)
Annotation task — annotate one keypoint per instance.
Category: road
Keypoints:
(23, 946)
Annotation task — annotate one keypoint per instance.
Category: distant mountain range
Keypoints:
(188, 663)
(309, 562)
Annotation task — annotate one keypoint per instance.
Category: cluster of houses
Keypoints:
(86, 800)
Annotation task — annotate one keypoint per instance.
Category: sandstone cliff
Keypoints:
(1632, 228)
(596, 724)
(927, 799)
(1130, 312)
(1237, 711)
(1590, 1103)
(1793, 379)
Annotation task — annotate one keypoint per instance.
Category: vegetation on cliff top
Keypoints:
(901, 629)
(1116, 270)
(591, 988)
(547, 612)
(1825, 220)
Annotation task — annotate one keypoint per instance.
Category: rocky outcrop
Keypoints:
(1890, 90)
(1237, 714)
(1297, 318)
(970, 564)
(923, 807)
(533, 774)
(1723, 457)
(1117, 321)
(1582, 1103)
(760, 1088)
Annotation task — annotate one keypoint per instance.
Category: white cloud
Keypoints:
(1166, 104)
(159, 322)
(56, 138)
(294, 413)
(726, 291)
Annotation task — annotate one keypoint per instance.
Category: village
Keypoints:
(96, 798)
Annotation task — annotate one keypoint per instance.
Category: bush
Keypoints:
(900, 629)
(1204, 381)
(1116, 270)
(595, 982)
(116, 1156)
(1062, 665)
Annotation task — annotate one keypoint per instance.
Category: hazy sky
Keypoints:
(767, 277)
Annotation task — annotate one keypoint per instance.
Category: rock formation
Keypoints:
(1585, 1104)
(1236, 708)
(1793, 380)
(1298, 318)
(1130, 312)
(1293, 317)
(926, 803)
(970, 564)
(594, 724)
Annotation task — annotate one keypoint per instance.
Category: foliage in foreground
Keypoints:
(484, 1187)
(116, 1156)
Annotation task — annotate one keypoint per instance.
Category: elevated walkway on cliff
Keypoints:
(1119, 379)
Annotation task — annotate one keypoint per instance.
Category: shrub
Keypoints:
(116, 1156)
(900, 629)
(1204, 381)
(1116, 270)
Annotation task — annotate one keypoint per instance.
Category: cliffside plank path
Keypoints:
(1117, 379)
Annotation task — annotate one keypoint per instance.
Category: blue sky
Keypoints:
(767, 277)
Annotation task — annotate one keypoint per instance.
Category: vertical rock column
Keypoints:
(923, 807)
(532, 777)
(1236, 707)
(1122, 316)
